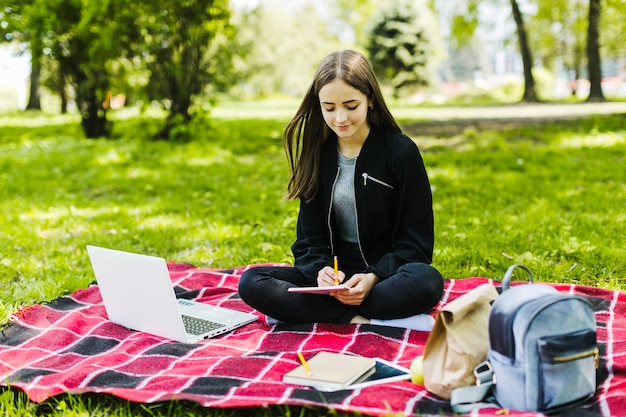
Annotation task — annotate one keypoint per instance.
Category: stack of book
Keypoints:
(327, 371)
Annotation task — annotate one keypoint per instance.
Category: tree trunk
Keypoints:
(593, 52)
(62, 91)
(63, 96)
(93, 122)
(529, 81)
(93, 115)
(179, 116)
(180, 109)
(34, 103)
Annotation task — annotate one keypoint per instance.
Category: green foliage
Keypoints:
(82, 38)
(356, 14)
(544, 82)
(464, 25)
(613, 22)
(550, 196)
(185, 45)
(181, 46)
(279, 45)
(403, 45)
(557, 33)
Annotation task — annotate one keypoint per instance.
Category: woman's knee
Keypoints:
(247, 283)
(424, 271)
(261, 281)
(427, 278)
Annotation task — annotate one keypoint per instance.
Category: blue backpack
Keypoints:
(543, 351)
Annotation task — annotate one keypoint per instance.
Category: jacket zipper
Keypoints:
(330, 211)
(356, 217)
(366, 177)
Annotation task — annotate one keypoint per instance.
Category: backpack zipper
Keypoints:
(595, 352)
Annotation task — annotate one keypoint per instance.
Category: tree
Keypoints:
(556, 33)
(36, 26)
(612, 21)
(593, 52)
(529, 81)
(467, 19)
(90, 36)
(356, 15)
(21, 24)
(185, 47)
(402, 46)
(84, 38)
(466, 51)
(36, 55)
(180, 43)
(265, 68)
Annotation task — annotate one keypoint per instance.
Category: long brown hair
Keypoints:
(307, 131)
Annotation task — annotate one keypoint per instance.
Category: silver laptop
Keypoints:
(138, 294)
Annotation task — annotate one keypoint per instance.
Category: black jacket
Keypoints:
(393, 204)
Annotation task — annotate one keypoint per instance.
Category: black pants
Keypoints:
(415, 288)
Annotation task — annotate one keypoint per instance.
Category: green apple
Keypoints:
(417, 370)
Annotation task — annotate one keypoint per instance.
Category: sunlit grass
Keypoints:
(549, 196)
(542, 197)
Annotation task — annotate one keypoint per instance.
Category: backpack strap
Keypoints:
(466, 399)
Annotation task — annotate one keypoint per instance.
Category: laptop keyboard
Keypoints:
(197, 326)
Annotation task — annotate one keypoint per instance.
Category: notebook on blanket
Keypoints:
(137, 293)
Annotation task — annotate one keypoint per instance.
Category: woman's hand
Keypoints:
(360, 287)
(326, 277)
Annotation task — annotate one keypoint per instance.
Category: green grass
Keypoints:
(550, 196)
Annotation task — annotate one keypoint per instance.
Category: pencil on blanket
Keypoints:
(304, 364)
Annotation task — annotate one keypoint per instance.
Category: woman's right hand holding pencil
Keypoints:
(326, 276)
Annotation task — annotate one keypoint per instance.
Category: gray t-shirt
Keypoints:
(343, 199)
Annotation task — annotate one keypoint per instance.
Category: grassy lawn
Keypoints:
(551, 197)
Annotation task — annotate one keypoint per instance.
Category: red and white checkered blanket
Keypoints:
(69, 346)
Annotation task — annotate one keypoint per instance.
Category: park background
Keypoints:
(155, 127)
(61, 55)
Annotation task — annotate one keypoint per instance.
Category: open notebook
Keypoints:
(138, 294)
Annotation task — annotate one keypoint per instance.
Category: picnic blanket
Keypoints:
(69, 346)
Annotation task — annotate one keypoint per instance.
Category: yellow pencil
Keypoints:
(336, 270)
(304, 364)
